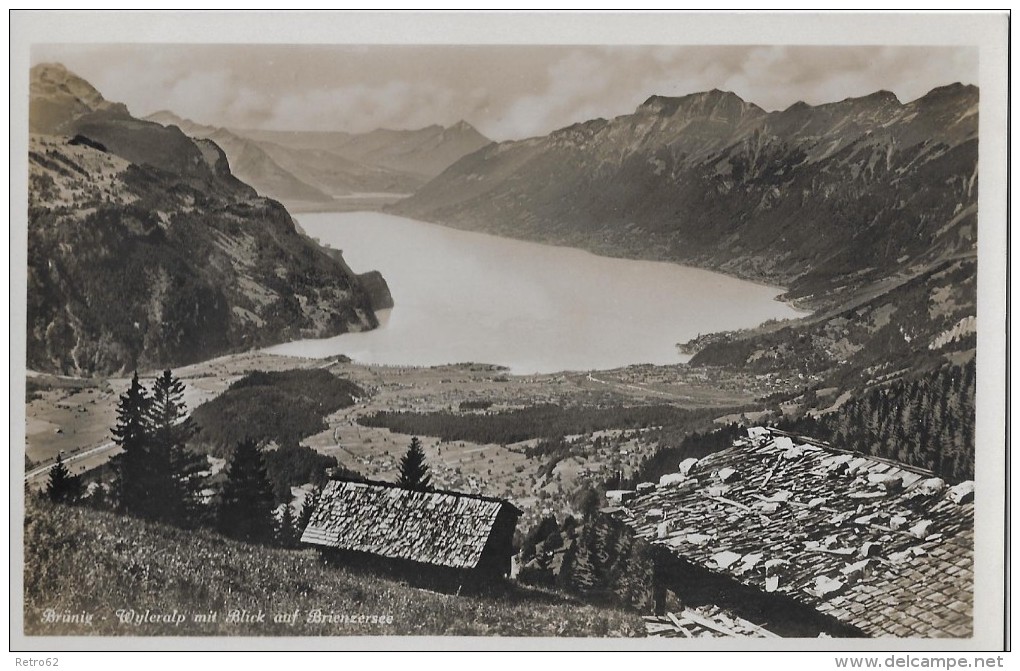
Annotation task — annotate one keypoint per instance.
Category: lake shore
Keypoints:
(533, 307)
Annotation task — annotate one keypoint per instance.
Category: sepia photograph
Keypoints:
(610, 340)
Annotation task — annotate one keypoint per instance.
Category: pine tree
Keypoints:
(414, 473)
(246, 503)
(565, 578)
(311, 502)
(62, 487)
(178, 484)
(582, 574)
(168, 413)
(134, 466)
(287, 534)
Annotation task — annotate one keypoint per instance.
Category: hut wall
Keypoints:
(497, 556)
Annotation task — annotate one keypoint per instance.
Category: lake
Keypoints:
(461, 296)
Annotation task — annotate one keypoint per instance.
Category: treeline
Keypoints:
(926, 421)
(475, 405)
(537, 421)
(283, 407)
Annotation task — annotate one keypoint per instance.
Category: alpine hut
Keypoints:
(437, 536)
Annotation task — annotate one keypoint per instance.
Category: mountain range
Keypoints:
(145, 250)
(864, 209)
(320, 170)
(800, 197)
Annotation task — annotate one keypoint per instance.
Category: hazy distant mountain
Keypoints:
(819, 198)
(144, 250)
(341, 176)
(425, 152)
(248, 161)
(300, 167)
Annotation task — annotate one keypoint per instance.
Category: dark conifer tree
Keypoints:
(287, 534)
(311, 502)
(414, 473)
(133, 466)
(62, 487)
(246, 503)
(553, 542)
(565, 578)
(540, 532)
(179, 483)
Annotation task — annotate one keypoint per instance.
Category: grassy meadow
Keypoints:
(80, 561)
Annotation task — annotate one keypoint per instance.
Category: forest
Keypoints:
(925, 421)
(282, 406)
(549, 421)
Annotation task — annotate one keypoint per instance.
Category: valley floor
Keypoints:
(74, 416)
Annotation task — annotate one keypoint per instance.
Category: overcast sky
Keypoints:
(507, 92)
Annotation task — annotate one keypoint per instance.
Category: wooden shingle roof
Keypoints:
(884, 548)
(439, 528)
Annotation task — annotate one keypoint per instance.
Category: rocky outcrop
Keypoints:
(377, 289)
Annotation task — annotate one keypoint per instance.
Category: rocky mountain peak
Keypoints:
(166, 118)
(462, 128)
(715, 105)
(57, 97)
(882, 96)
(955, 94)
(954, 89)
(56, 78)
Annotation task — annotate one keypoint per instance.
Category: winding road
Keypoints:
(39, 472)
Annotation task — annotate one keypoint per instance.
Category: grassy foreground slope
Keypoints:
(79, 560)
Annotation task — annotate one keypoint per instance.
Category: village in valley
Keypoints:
(578, 507)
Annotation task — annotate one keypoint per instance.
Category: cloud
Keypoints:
(365, 107)
(506, 91)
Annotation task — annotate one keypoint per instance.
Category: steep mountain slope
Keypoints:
(340, 176)
(248, 161)
(921, 321)
(254, 165)
(824, 199)
(144, 250)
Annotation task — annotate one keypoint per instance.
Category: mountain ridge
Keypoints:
(144, 250)
(706, 179)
